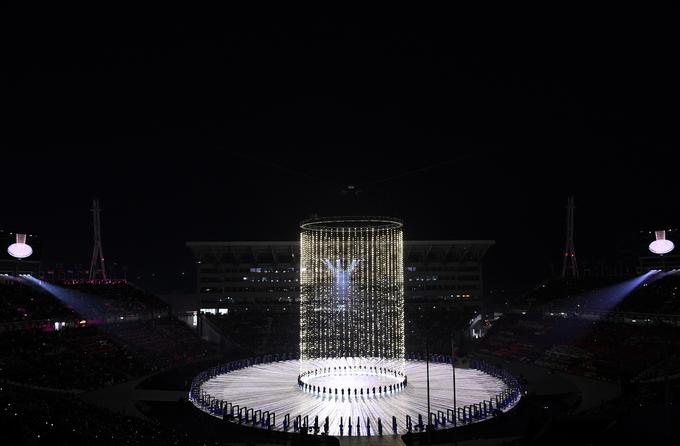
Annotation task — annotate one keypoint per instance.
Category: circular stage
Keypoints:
(274, 387)
(352, 377)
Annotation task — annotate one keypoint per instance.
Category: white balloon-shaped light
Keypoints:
(661, 245)
(20, 249)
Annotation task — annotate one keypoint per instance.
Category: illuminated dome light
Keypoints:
(661, 245)
(20, 249)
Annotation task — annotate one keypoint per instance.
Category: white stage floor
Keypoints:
(273, 387)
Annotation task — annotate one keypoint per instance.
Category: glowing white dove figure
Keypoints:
(340, 279)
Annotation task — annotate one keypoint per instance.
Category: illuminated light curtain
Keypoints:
(351, 288)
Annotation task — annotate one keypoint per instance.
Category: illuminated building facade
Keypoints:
(351, 288)
(267, 273)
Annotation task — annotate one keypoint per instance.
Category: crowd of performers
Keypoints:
(358, 392)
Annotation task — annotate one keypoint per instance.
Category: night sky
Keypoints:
(235, 129)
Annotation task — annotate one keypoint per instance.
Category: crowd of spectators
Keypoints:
(668, 367)
(68, 350)
(90, 357)
(34, 417)
(108, 302)
(79, 358)
(20, 302)
(160, 343)
(598, 349)
(557, 289)
(430, 326)
(257, 333)
(660, 295)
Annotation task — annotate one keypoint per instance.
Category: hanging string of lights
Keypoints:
(351, 288)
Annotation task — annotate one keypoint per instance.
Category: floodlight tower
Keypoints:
(569, 261)
(97, 251)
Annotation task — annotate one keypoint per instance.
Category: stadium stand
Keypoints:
(658, 296)
(19, 302)
(260, 332)
(34, 417)
(84, 354)
(75, 358)
(598, 349)
(163, 342)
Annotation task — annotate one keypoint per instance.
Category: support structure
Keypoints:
(97, 250)
(569, 265)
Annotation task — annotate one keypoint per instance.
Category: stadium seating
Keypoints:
(19, 302)
(598, 349)
(34, 417)
(86, 354)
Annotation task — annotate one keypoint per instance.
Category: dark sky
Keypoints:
(235, 129)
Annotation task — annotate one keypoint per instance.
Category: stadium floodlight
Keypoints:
(661, 245)
(20, 250)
